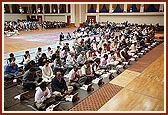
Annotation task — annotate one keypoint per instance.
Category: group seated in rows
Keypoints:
(81, 62)
(15, 27)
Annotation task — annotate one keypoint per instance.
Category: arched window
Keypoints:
(34, 11)
(39, 8)
(15, 8)
(54, 8)
(151, 7)
(92, 8)
(6, 8)
(47, 8)
(118, 8)
(62, 8)
(104, 8)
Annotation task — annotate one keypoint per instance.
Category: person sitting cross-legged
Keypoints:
(47, 72)
(41, 95)
(30, 79)
(11, 71)
(59, 86)
(75, 79)
(86, 70)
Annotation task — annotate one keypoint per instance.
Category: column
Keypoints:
(58, 8)
(161, 7)
(142, 8)
(111, 8)
(125, 7)
(50, 8)
(36, 8)
(97, 10)
(66, 8)
(43, 10)
(10, 7)
(72, 13)
(86, 8)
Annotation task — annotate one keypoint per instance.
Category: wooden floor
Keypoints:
(143, 89)
(144, 93)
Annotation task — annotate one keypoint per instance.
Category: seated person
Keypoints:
(104, 60)
(124, 54)
(59, 86)
(70, 61)
(41, 95)
(30, 64)
(81, 58)
(11, 58)
(38, 54)
(96, 67)
(86, 70)
(58, 66)
(42, 59)
(47, 72)
(11, 70)
(30, 79)
(74, 78)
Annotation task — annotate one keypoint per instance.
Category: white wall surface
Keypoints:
(55, 18)
(14, 17)
(140, 19)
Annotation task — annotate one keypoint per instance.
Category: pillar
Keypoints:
(86, 8)
(66, 8)
(125, 7)
(97, 10)
(58, 8)
(161, 7)
(50, 8)
(142, 8)
(73, 13)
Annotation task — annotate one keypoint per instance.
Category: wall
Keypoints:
(14, 17)
(140, 19)
(83, 13)
(55, 18)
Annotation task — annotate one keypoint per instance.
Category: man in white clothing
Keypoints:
(70, 61)
(42, 94)
(81, 58)
(47, 72)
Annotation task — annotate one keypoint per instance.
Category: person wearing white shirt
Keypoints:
(81, 58)
(70, 61)
(47, 72)
(86, 70)
(42, 94)
(75, 79)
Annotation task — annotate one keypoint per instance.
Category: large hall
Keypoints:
(80, 57)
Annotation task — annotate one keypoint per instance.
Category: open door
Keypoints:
(91, 19)
(39, 18)
(68, 20)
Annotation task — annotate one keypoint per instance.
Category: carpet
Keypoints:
(96, 100)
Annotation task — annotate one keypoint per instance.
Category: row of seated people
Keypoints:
(122, 47)
(107, 51)
(14, 27)
(58, 85)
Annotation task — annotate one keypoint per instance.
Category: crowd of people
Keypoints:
(15, 27)
(113, 46)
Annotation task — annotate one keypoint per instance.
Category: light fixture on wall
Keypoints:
(38, 10)
(54, 10)
(21, 9)
(112, 10)
(130, 9)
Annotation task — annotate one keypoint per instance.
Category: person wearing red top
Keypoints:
(108, 46)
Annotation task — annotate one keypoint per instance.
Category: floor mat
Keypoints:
(97, 99)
